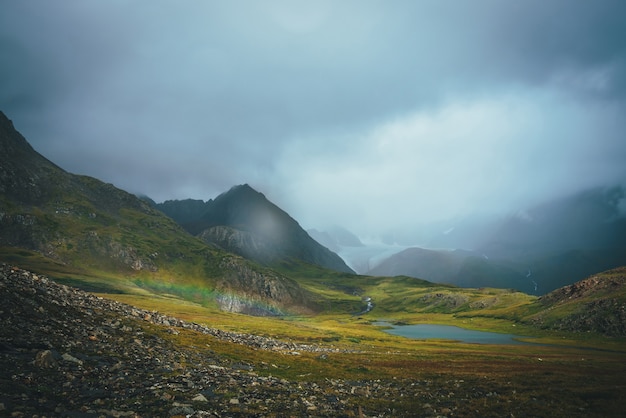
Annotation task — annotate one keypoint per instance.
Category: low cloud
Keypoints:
(361, 113)
(481, 156)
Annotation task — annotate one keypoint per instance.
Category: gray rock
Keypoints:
(45, 359)
(71, 359)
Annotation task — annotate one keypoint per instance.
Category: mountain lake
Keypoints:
(450, 332)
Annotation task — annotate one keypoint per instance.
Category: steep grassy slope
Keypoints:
(123, 244)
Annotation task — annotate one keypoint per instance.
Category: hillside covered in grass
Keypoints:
(65, 352)
(94, 233)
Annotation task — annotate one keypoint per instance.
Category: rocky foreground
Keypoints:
(65, 352)
(68, 353)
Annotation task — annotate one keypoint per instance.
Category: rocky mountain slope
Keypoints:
(595, 304)
(245, 222)
(65, 352)
(99, 230)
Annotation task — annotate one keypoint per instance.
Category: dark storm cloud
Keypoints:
(325, 106)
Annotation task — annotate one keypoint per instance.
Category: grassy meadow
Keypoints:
(562, 374)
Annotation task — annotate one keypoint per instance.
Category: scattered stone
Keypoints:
(128, 370)
(45, 359)
(181, 410)
(200, 398)
(70, 358)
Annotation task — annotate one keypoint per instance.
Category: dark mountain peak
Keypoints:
(241, 191)
(243, 194)
(243, 188)
(244, 207)
(275, 236)
(25, 175)
(6, 123)
(242, 220)
(14, 147)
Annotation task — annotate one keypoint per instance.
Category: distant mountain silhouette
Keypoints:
(245, 222)
(536, 250)
(594, 219)
(335, 238)
(461, 268)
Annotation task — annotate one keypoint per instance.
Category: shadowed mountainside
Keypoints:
(245, 222)
(95, 229)
(535, 251)
(458, 267)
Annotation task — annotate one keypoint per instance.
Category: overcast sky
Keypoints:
(366, 114)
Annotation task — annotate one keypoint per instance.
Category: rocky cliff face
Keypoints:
(245, 243)
(251, 291)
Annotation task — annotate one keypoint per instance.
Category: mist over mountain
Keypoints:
(71, 218)
(79, 226)
(245, 222)
(593, 219)
(536, 250)
(335, 238)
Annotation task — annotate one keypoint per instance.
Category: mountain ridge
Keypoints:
(90, 226)
(242, 220)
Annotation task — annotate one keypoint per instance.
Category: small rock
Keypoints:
(181, 410)
(70, 358)
(199, 398)
(45, 359)
(234, 401)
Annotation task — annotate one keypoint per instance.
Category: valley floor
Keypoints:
(64, 352)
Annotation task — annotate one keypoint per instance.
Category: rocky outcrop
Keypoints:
(245, 243)
(256, 292)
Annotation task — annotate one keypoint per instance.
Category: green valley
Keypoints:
(277, 332)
